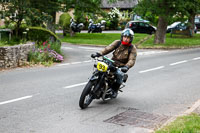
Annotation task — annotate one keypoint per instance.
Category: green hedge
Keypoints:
(39, 34)
(64, 21)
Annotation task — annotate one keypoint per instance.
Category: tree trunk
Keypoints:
(72, 33)
(51, 23)
(161, 31)
(191, 23)
(17, 28)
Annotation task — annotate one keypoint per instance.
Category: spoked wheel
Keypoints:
(86, 96)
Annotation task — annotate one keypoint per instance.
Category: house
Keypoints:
(124, 6)
(121, 4)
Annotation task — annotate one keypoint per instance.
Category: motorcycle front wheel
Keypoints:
(86, 96)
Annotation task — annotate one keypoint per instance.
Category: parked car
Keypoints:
(141, 27)
(197, 22)
(179, 26)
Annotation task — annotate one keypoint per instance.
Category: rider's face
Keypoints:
(126, 39)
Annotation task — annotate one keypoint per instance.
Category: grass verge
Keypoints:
(98, 38)
(184, 124)
(176, 41)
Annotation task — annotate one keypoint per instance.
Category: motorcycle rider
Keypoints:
(124, 55)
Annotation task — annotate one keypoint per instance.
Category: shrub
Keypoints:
(114, 16)
(64, 21)
(45, 54)
(39, 34)
(56, 47)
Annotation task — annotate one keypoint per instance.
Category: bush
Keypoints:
(64, 21)
(39, 35)
(45, 53)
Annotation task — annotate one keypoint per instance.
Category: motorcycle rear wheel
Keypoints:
(86, 96)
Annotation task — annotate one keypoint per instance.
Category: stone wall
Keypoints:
(14, 56)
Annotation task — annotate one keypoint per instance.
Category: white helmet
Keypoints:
(90, 20)
(129, 33)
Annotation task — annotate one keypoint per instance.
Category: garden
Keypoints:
(38, 27)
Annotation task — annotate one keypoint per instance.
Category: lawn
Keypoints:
(174, 42)
(184, 124)
(98, 38)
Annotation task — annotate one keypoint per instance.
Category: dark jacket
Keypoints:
(121, 55)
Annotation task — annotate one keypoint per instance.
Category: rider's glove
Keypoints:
(96, 55)
(124, 69)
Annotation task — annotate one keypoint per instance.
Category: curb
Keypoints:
(192, 109)
(143, 40)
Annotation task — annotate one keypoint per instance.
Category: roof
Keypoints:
(123, 4)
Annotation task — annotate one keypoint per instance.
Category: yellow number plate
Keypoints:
(101, 66)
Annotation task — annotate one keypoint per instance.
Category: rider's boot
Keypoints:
(115, 89)
(125, 77)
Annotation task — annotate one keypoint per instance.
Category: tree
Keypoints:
(191, 9)
(45, 10)
(83, 7)
(15, 11)
(164, 10)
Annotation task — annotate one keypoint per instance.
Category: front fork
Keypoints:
(99, 78)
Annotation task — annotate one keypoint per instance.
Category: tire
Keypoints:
(89, 31)
(86, 97)
(152, 32)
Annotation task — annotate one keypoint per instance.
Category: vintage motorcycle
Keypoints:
(101, 82)
(96, 28)
(76, 27)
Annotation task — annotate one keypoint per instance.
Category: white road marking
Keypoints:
(152, 69)
(87, 61)
(197, 58)
(66, 48)
(75, 85)
(14, 100)
(90, 48)
(180, 62)
(65, 64)
(75, 63)
(151, 52)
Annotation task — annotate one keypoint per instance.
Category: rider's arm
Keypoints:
(132, 58)
(109, 48)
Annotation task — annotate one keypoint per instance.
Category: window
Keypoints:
(146, 25)
(142, 24)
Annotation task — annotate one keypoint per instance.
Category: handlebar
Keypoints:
(105, 57)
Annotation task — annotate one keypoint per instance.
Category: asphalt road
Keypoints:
(45, 100)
